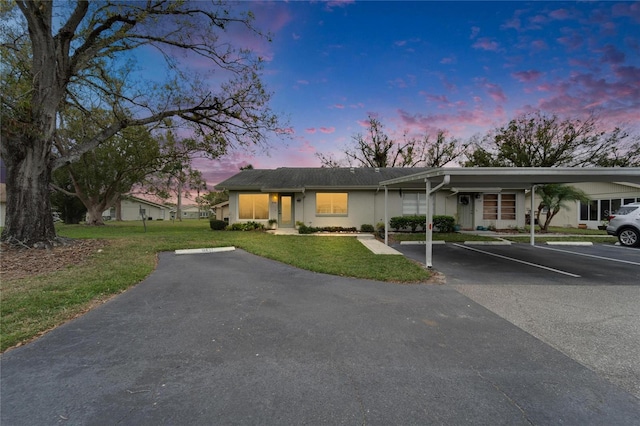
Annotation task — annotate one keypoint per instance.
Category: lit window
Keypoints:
(331, 203)
(253, 206)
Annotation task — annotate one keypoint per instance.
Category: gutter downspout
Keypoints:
(386, 217)
(532, 220)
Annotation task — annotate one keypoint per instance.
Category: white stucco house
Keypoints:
(132, 208)
(606, 198)
(352, 197)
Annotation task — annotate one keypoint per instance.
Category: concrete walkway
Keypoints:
(368, 240)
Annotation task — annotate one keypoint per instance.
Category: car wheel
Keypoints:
(629, 237)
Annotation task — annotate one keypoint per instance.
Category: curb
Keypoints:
(569, 243)
(205, 250)
(419, 243)
(487, 243)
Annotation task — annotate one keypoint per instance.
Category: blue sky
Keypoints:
(464, 67)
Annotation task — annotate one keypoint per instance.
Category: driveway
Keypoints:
(232, 338)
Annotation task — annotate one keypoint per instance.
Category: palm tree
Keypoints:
(556, 196)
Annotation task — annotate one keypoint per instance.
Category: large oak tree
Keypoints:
(80, 55)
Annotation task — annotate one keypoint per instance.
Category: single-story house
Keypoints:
(132, 208)
(221, 211)
(352, 197)
(191, 211)
(606, 198)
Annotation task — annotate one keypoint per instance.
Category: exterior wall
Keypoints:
(364, 207)
(130, 210)
(222, 212)
(570, 217)
(519, 221)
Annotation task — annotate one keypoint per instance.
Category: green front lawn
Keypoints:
(30, 306)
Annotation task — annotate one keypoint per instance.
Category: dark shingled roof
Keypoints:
(291, 179)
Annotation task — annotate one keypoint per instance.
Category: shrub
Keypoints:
(400, 223)
(444, 223)
(246, 226)
(380, 229)
(217, 225)
(367, 228)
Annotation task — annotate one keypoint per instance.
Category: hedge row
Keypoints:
(441, 223)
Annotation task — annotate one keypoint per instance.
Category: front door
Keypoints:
(285, 211)
(465, 211)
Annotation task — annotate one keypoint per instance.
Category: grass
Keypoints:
(31, 306)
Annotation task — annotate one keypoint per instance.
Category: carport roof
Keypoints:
(512, 177)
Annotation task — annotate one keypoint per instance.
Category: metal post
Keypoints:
(429, 228)
(532, 220)
(386, 217)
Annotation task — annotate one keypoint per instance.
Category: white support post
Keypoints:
(386, 216)
(429, 227)
(532, 219)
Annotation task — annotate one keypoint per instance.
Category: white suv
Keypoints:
(625, 224)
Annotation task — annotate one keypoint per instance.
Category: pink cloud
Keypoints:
(486, 43)
(495, 92)
(449, 60)
(337, 106)
(560, 14)
(539, 45)
(310, 130)
(327, 130)
(333, 4)
(474, 32)
(526, 76)
(627, 9)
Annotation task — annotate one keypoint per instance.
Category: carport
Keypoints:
(481, 179)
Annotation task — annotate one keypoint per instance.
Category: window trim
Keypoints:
(253, 207)
(497, 212)
(332, 214)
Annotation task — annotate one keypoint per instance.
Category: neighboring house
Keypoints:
(3, 202)
(605, 197)
(131, 208)
(191, 212)
(221, 211)
(351, 197)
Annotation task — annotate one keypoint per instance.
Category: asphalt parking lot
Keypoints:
(232, 338)
(581, 300)
(600, 264)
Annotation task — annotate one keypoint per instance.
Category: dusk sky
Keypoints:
(464, 67)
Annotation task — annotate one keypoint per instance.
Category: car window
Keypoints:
(625, 210)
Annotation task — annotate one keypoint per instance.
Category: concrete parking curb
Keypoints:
(569, 243)
(417, 243)
(205, 250)
(487, 243)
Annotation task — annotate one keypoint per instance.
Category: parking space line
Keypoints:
(591, 255)
(535, 265)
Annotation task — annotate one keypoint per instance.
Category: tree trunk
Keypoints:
(94, 215)
(29, 219)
